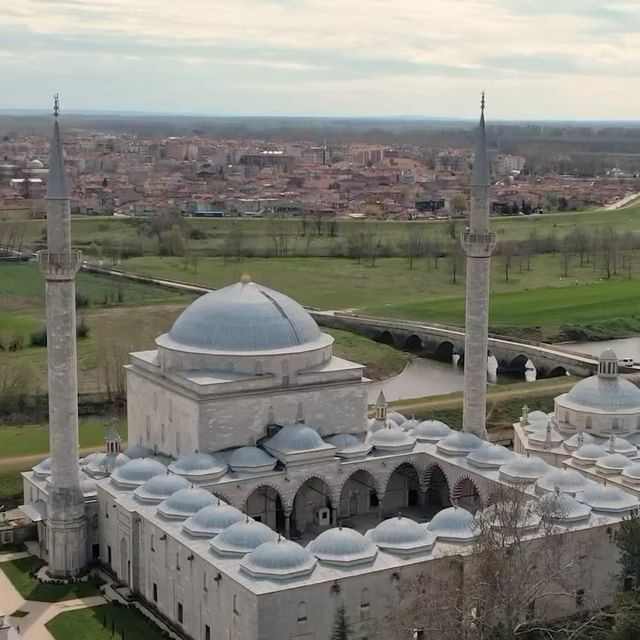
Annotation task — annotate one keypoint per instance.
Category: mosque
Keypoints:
(256, 496)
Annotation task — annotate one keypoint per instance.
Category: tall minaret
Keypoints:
(478, 243)
(66, 520)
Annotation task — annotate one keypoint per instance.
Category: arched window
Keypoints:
(147, 430)
(365, 607)
(178, 561)
(177, 442)
(205, 584)
(302, 612)
(95, 521)
(152, 546)
(235, 606)
(566, 417)
(163, 433)
(170, 410)
(615, 424)
(589, 422)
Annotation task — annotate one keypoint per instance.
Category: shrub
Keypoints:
(82, 330)
(38, 338)
(82, 300)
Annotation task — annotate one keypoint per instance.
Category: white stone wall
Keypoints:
(595, 422)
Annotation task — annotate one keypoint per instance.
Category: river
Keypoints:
(425, 377)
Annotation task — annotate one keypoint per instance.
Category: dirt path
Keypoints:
(31, 460)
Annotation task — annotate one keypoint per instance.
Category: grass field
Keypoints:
(19, 573)
(32, 439)
(97, 623)
(90, 231)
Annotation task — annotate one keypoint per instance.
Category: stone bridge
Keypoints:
(442, 343)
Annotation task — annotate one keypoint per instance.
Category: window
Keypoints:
(94, 521)
(235, 606)
(147, 430)
(163, 433)
(109, 555)
(106, 510)
(155, 401)
(580, 598)
(177, 442)
(365, 607)
(302, 612)
(178, 561)
(615, 424)
(152, 545)
(566, 417)
(589, 422)
(155, 592)
(205, 586)
(207, 632)
(170, 410)
(180, 612)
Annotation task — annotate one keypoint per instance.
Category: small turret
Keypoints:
(381, 407)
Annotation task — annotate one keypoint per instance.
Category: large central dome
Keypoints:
(244, 317)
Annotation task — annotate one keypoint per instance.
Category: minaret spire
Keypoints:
(66, 518)
(478, 242)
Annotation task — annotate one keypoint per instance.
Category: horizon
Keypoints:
(558, 59)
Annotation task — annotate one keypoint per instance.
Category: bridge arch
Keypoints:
(518, 364)
(413, 343)
(386, 337)
(466, 494)
(444, 351)
(558, 371)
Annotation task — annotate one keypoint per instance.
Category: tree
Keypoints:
(458, 204)
(341, 629)
(414, 246)
(455, 260)
(234, 247)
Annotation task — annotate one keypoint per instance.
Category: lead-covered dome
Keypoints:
(489, 456)
(137, 451)
(245, 316)
(342, 546)
(523, 470)
(562, 480)
(608, 499)
(391, 439)
(612, 463)
(199, 466)
(459, 443)
(431, 430)
(587, 454)
(242, 537)
(278, 560)
(185, 503)
(402, 536)
(605, 393)
(137, 472)
(251, 459)
(159, 488)
(453, 524)
(296, 437)
(561, 507)
(212, 519)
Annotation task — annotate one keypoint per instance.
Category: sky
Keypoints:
(547, 59)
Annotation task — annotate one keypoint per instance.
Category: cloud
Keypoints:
(321, 56)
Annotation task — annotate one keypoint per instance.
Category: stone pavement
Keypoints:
(32, 626)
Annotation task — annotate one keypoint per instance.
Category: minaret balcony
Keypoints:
(60, 266)
(478, 244)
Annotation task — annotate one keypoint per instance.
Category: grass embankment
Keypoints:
(20, 573)
(91, 233)
(504, 402)
(104, 623)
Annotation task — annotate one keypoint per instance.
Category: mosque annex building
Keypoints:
(256, 496)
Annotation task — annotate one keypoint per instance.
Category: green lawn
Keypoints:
(536, 307)
(96, 623)
(22, 286)
(90, 232)
(19, 573)
(31, 439)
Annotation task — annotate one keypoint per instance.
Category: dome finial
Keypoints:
(245, 278)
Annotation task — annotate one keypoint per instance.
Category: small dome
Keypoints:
(546, 436)
(607, 499)
(87, 485)
(620, 445)
(198, 465)
(489, 456)
(43, 469)
(587, 454)
(612, 463)
(577, 440)
(88, 458)
(608, 394)
(375, 425)
(453, 524)
(105, 463)
(34, 164)
(185, 503)
(538, 416)
(459, 443)
(159, 488)
(342, 546)
(523, 470)
(278, 560)
(562, 507)
(536, 427)
(137, 451)
(244, 317)
(391, 439)
(562, 480)
(431, 430)
(402, 536)
(398, 418)
(508, 514)
(251, 460)
(137, 472)
(296, 437)
(242, 537)
(632, 473)
(344, 441)
(409, 424)
(212, 519)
